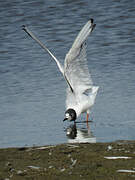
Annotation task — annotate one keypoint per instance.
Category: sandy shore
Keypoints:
(99, 161)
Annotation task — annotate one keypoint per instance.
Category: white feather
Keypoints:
(80, 92)
(77, 73)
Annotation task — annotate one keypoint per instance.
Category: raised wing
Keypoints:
(44, 47)
(76, 69)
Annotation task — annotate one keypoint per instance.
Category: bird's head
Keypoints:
(70, 115)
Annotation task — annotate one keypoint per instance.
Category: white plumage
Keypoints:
(80, 92)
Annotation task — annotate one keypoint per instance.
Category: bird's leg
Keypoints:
(87, 120)
(87, 117)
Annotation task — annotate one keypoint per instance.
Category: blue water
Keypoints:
(32, 91)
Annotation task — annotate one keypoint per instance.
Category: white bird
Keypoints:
(81, 93)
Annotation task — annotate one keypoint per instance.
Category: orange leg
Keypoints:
(87, 118)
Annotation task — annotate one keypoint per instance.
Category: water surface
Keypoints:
(32, 91)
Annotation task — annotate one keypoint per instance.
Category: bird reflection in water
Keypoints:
(79, 135)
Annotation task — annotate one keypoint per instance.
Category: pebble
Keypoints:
(62, 170)
(50, 167)
(34, 167)
(73, 161)
(19, 172)
(45, 147)
(12, 169)
(125, 171)
(109, 148)
(69, 155)
(117, 157)
(8, 164)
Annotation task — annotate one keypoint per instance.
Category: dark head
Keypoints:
(70, 115)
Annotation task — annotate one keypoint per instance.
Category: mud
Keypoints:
(97, 161)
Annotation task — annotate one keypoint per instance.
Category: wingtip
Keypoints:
(93, 27)
(92, 20)
(23, 27)
(92, 24)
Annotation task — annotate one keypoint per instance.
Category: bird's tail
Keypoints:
(95, 89)
(94, 92)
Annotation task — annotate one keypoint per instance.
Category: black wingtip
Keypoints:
(94, 25)
(23, 27)
(92, 20)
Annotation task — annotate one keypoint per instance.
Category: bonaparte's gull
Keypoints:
(80, 91)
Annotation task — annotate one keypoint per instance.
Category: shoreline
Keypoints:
(111, 160)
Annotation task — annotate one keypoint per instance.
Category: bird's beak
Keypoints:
(65, 119)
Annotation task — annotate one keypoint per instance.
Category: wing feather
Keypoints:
(44, 47)
(75, 67)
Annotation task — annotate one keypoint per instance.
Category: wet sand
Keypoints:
(110, 161)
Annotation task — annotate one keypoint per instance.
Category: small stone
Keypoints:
(62, 170)
(73, 161)
(69, 155)
(50, 167)
(109, 148)
(8, 164)
(21, 173)
(34, 167)
(11, 169)
(50, 153)
(11, 175)
(127, 151)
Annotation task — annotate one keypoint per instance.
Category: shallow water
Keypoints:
(32, 91)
